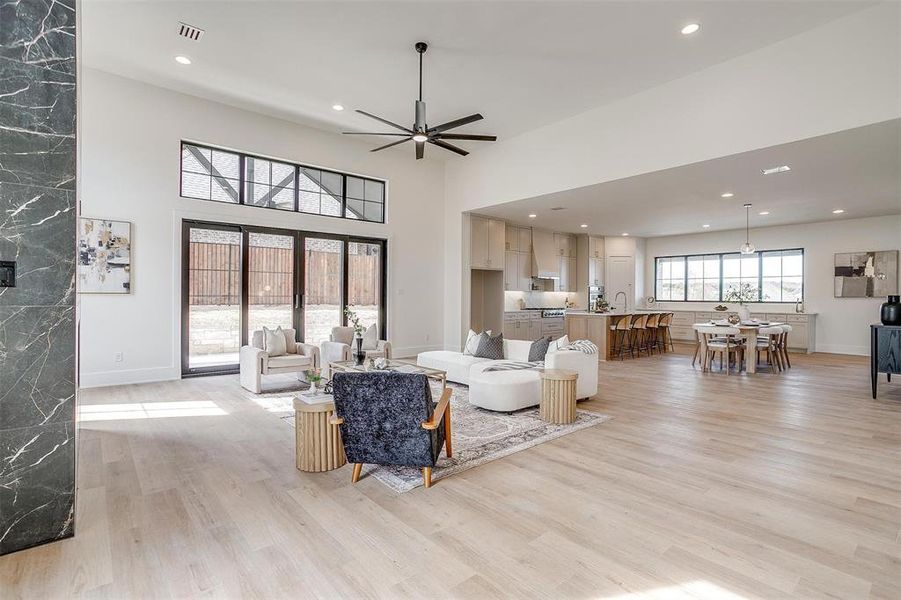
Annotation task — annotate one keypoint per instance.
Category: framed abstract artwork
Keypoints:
(872, 274)
(104, 256)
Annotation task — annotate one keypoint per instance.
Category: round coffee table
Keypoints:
(319, 446)
(558, 395)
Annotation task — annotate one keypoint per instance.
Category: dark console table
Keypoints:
(885, 351)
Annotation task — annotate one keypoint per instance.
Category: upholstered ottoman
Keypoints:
(503, 391)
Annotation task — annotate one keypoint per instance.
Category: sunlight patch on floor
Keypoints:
(693, 589)
(149, 410)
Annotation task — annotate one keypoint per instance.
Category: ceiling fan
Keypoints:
(421, 133)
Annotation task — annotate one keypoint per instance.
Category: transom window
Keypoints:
(221, 176)
(770, 275)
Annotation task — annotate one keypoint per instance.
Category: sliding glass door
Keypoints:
(211, 282)
(238, 279)
(270, 279)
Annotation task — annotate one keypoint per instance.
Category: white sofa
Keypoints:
(256, 362)
(515, 389)
(339, 348)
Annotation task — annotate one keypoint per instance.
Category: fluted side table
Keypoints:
(558, 395)
(319, 446)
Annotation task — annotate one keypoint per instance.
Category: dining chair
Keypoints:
(783, 345)
(768, 339)
(728, 342)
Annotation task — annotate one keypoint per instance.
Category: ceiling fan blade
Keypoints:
(456, 123)
(385, 121)
(372, 133)
(441, 144)
(420, 150)
(466, 136)
(406, 139)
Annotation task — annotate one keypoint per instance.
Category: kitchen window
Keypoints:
(773, 276)
(209, 173)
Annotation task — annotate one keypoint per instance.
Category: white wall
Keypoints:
(130, 134)
(841, 75)
(842, 323)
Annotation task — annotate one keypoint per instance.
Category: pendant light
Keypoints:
(747, 247)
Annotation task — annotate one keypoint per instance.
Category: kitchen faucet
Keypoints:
(625, 299)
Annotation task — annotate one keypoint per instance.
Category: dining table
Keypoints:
(748, 330)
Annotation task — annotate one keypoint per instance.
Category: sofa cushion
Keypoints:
(455, 364)
(491, 347)
(539, 348)
(289, 361)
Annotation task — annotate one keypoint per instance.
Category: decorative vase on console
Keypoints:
(891, 311)
(354, 320)
(359, 355)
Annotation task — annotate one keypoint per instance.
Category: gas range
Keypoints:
(549, 313)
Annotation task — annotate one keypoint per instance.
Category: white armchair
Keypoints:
(256, 362)
(339, 347)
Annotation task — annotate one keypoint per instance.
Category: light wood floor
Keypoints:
(703, 486)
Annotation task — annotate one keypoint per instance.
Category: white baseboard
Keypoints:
(843, 349)
(412, 351)
(125, 377)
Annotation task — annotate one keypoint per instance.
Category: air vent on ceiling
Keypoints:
(190, 32)
(558, 208)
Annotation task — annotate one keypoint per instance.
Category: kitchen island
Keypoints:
(593, 326)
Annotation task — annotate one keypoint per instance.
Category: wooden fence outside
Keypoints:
(215, 276)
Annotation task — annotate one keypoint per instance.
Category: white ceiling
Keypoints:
(858, 170)
(522, 65)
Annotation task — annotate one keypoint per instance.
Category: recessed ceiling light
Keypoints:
(691, 28)
(764, 213)
(337, 107)
(838, 211)
(706, 225)
(532, 216)
(625, 234)
(726, 195)
(779, 169)
(182, 60)
(583, 225)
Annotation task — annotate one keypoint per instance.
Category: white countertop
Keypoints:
(618, 313)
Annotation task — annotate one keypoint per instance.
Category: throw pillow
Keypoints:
(558, 344)
(472, 343)
(539, 348)
(371, 338)
(491, 346)
(274, 342)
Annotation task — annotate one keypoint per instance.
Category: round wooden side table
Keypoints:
(319, 446)
(558, 395)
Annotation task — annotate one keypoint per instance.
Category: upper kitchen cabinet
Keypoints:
(595, 261)
(487, 241)
(518, 239)
(595, 247)
(565, 244)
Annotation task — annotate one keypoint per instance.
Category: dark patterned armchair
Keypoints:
(389, 418)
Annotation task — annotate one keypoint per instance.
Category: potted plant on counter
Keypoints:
(742, 293)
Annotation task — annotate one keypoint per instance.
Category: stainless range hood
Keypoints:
(545, 262)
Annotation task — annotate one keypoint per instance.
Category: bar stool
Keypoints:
(652, 325)
(638, 331)
(666, 319)
(615, 347)
(623, 325)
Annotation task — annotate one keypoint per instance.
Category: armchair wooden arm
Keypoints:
(440, 410)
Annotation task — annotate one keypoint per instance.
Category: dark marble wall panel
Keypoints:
(39, 32)
(37, 485)
(37, 230)
(37, 349)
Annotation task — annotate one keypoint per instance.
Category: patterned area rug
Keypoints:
(480, 436)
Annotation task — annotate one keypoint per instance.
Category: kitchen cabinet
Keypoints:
(595, 247)
(523, 271)
(511, 270)
(525, 239)
(595, 271)
(511, 238)
(567, 280)
(565, 244)
(524, 325)
(487, 242)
